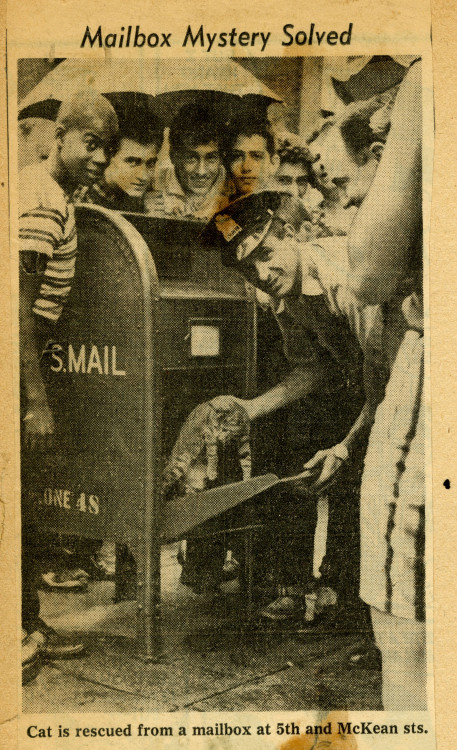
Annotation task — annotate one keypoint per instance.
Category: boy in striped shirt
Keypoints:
(85, 128)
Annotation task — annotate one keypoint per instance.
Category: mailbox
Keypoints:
(154, 326)
(206, 322)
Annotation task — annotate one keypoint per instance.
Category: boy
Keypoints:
(294, 175)
(85, 128)
(130, 174)
(249, 155)
(193, 186)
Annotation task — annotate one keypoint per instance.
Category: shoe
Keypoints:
(105, 560)
(282, 608)
(65, 581)
(232, 586)
(30, 656)
(53, 645)
(61, 647)
(30, 648)
(231, 567)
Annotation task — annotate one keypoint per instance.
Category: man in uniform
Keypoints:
(324, 333)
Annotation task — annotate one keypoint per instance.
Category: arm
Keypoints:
(38, 420)
(301, 382)
(388, 222)
(325, 466)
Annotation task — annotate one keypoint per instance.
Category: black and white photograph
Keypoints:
(222, 411)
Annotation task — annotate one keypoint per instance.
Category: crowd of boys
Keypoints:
(346, 295)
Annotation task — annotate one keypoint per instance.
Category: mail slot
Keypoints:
(154, 326)
(205, 337)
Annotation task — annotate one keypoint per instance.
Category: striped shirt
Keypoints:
(47, 238)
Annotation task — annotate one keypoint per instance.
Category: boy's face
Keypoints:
(35, 139)
(132, 167)
(249, 162)
(292, 179)
(337, 165)
(274, 266)
(85, 152)
(197, 167)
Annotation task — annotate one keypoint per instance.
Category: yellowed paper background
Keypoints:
(55, 28)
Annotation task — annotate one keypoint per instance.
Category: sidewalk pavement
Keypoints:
(212, 659)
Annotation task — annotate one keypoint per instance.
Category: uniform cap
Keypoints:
(241, 226)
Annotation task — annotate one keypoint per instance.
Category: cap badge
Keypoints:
(227, 226)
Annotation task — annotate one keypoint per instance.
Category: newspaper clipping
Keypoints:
(219, 264)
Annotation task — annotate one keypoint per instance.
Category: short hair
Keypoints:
(82, 108)
(291, 211)
(197, 123)
(141, 127)
(289, 154)
(248, 125)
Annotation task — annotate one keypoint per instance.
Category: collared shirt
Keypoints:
(102, 194)
(171, 200)
(325, 327)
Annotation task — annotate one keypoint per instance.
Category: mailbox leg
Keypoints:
(149, 617)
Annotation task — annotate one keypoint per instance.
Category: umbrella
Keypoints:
(361, 77)
(172, 83)
(44, 110)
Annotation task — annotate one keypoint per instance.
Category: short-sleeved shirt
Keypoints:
(47, 238)
(325, 326)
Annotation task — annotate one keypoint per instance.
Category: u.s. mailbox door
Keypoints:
(102, 381)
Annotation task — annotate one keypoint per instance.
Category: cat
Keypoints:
(193, 462)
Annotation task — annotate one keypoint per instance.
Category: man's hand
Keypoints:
(38, 426)
(324, 467)
(225, 403)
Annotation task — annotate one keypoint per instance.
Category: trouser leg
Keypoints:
(30, 598)
(404, 674)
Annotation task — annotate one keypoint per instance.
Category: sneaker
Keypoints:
(30, 656)
(53, 645)
(65, 581)
(282, 608)
(105, 560)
